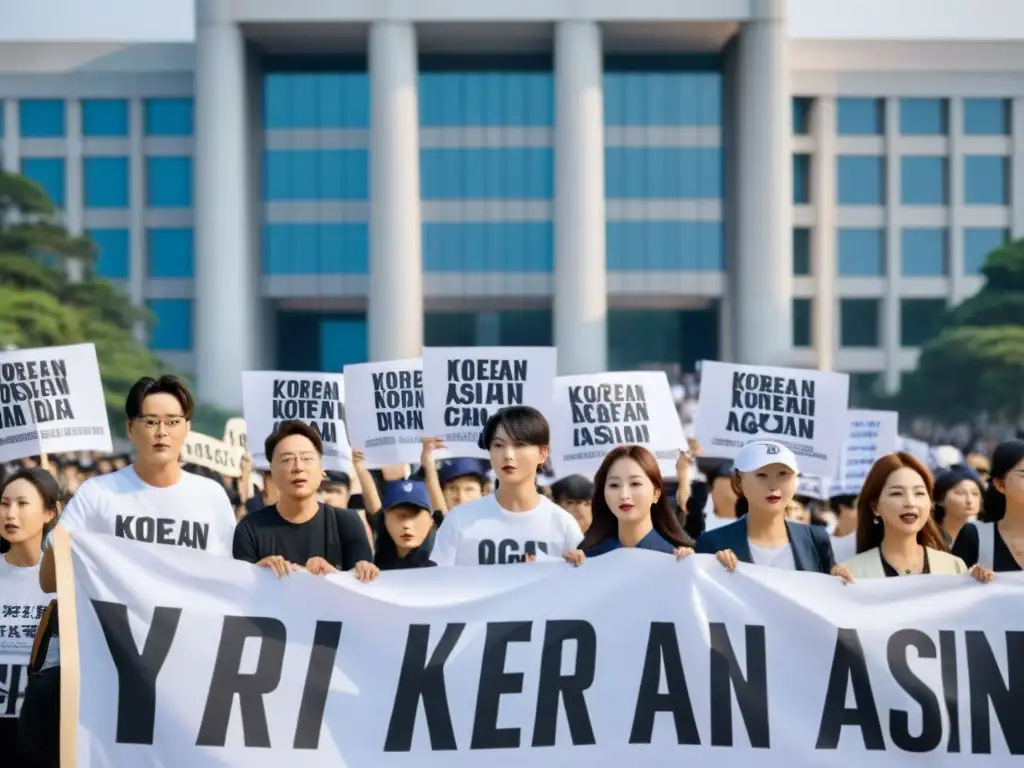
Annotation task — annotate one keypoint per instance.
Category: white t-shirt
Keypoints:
(195, 512)
(481, 532)
(22, 603)
(773, 557)
(844, 547)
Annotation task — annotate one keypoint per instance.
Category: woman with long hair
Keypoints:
(958, 492)
(896, 534)
(998, 541)
(630, 508)
(29, 506)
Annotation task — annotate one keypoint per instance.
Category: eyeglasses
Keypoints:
(150, 423)
(306, 459)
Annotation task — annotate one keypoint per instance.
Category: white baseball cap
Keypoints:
(761, 453)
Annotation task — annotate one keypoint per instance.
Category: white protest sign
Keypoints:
(813, 487)
(388, 425)
(539, 665)
(464, 386)
(592, 414)
(919, 449)
(235, 433)
(270, 397)
(804, 410)
(51, 401)
(211, 453)
(871, 435)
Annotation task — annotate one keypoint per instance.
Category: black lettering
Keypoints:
(849, 670)
(751, 691)
(228, 681)
(987, 686)
(487, 553)
(318, 683)
(494, 682)
(931, 716)
(950, 687)
(123, 527)
(554, 686)
(136, 672)
(663, 649)
(165, 531)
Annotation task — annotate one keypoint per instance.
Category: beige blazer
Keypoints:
(868, 565)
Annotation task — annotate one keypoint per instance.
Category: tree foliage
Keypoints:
(975, 365)
(40, 306)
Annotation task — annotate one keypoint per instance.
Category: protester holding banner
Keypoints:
(896, 535)
(958, 492)
(406, 527)
(152, 500)
(631, 508)
(575, 495)
(300, 531)
(764, 479)
(515, 523)
(998, 541)
(29, 505)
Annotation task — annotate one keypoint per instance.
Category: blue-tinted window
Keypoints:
(316, 100)
(497, 246)
(923, 117)
(861, 180)
(104, 117)
(986, 117)
(169, 182)
(801, 251)
(487, 173)
(859, 322)
(112, 253)
(343, 341)
(801, 179)
(106, 182)
(861, 252)
(924, 252)
(924, 180)
(486, 98)
(172, 329)
(1, 117)
(48, 172)
(168, 117)
(170, 253)
(316, 249)
(920, 320)
(801, 115)
(986, 180)
(663, 172)
(979, 242)
(665, 246)
(41, 118)
(663, 98)
(316, 174)
(801, 323)
(860, 117)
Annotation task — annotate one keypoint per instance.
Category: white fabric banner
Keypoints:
(211, 453)
(592, 414)
(804, 410)
(192, 660)
(463, 386)
(388, 424)
(269, 397)
(51, 401)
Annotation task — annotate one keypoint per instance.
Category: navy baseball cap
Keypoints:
(453, 469)
(410, 493)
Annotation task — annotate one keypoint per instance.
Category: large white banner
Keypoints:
(191, 660)
(51, 401)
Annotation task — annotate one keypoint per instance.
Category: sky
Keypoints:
(173, 20)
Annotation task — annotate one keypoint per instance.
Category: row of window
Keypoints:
(102, 118)
(924, 251)
(106, 180)
(924, 180)
(860, 322)
(169, 253)
(917, 116)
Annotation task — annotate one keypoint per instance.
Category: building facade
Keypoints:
(315, 183)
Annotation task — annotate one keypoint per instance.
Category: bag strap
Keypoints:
(48, 627)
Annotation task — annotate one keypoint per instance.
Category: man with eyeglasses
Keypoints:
(300, 531)
(152, 500)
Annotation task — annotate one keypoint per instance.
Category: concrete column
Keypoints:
(395, 306)
(1016, 168)
(74, 186)
(763, 278)
(823, 247)
(580, 285)
(955, 245)
(138, 259)
(893, 202)
(226, 340)
(10, 150)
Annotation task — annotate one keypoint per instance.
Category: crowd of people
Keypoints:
(462, 511)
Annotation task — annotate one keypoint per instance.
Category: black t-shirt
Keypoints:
(336, 535)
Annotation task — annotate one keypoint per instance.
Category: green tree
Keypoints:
(40, 306)
(975, 365)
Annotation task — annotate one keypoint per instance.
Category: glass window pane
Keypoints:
(104, 117)
(860, 117)
(801, 323)
(861, 180)
(986, 117)
(924, 252)
(979, 242)
(316, 249)
(48, 172)
(41, 118)
(168, 117)
(801, 115)
(801, 179)
(861, 252)
(920, 320)
(923, 117)
(859, 322)
(172, 330)
(924, 180)
(169, 182)
(986, 180)
(801, 251)
(106, 182)
(170, 253)
(112, 253)
(665, 246)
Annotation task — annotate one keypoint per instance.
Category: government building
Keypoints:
(310, 183)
